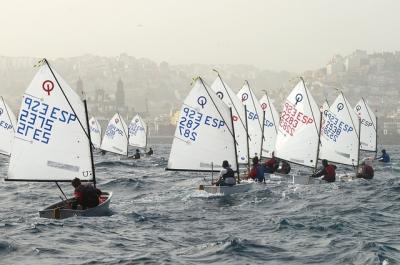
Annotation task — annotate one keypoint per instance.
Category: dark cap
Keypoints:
(225, 164)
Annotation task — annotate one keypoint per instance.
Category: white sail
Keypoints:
(51, 139)
(298, 131)
(138, 132)
(254, 117)
(7, 128)
(271, 123)
(203, 134)
(368, 126)
(95, 132)
(225, 93)
(115, 137)
(339, 133)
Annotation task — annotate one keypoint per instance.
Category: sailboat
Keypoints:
(369, 127)
(7, 128)
(298, 132)
(137, 130)
(271, 123)
(226, 94)
(204, 137)
(115, 139)
(95, 132)
(340, 134)
(252, 118)
(52, 140)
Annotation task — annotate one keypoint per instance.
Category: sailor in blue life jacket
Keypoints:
(385, 158)
(257, 171)
(328, 172)
(226, 175)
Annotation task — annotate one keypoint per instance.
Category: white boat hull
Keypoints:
(61, 210)
(294, 179)
(227, 190)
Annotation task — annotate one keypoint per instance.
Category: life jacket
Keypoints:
(229, 174)
(330, 173)
(259, 171)
(368, 172)
(89, 196)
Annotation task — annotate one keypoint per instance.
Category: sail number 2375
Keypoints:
(191, 120)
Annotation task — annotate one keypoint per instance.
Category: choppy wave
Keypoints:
(159, 217)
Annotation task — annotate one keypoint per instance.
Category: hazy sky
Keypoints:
(293, 35)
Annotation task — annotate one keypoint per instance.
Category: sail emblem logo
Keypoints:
(136, 120)
(202, 101)
(235, 118)
(264, 106)
(298, 98)
(220, 94)
(1, 111)
(48, 86)
(340, 106)
(245, 96)
(116, 120)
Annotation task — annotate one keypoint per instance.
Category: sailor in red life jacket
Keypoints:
(366, 171)
(85, 195)
(256, 172)
(328, 172)
(271, 164)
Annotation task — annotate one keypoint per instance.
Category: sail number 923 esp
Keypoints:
(191, 120)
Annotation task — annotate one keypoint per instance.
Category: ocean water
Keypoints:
(158, 217)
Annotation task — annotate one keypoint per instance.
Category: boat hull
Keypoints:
(227, 190)
(294, 179)
(60, 211)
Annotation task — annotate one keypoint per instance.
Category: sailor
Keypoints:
(284, 168)
(226, 175)
(328, 172)
(257, 171)
(137, 154)
(271, 164)
(385, 158)
(150, 152)
(85, 195)
(366, 171)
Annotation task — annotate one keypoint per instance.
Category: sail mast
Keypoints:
(319, 142)
(234, 144)
(90, 144)
(247, 132)
(262, 134)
